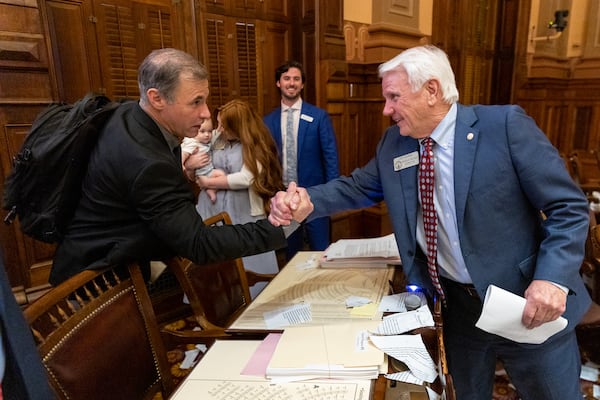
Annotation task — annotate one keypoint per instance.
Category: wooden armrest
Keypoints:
(255, 277)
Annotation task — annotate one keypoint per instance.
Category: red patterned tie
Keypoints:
(426, 185)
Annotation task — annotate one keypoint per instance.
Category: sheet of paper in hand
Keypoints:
(501, 315)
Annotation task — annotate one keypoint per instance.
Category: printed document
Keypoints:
(370, 252)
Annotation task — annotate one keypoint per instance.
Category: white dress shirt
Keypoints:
(449, 256)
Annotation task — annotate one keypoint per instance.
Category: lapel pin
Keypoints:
(470, 136)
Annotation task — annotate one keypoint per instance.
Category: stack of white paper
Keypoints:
(234, 369)
(339, 351)
(344, 253)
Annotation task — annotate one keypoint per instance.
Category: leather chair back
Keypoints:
(99, 339)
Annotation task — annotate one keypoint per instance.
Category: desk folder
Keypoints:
(337, 351)
(218, 376)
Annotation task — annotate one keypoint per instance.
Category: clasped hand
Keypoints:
(293, 204)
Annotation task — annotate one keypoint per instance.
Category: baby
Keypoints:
(203, 143)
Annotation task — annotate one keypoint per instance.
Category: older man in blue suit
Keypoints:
(307, 149)
(508, 214)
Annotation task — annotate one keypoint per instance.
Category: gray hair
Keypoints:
(162, 68)
(421, 64)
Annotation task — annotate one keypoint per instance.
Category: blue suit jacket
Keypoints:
(505, 172)
(317, 148)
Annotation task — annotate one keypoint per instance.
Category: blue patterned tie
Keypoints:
(290, 148)
(426, 185)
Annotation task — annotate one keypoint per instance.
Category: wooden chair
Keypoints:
(217, 293)
(98, 337)
(585, 170)
(588, 329)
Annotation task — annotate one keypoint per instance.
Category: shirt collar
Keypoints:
(443, 134)
(296, 106)
(172, 140)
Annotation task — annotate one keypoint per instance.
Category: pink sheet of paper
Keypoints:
(257, 365)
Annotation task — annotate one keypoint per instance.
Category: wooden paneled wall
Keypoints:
(54, 50)
(26, 86)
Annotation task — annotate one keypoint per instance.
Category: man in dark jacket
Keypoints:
(136, 203)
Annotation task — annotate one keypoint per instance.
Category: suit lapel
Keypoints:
(406, 183)
(466, 138)
(277, 131)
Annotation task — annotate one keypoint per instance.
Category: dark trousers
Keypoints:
(548, 371)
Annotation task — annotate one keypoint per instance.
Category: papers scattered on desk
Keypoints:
(501, 315)
(356, 301)
(398, 323)
(395, 302)
(286, 316)
(411, 350)
(192, 356)
(339, 351)
(351, 253)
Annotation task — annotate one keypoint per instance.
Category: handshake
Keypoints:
(293, 204)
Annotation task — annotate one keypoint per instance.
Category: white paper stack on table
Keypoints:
(234, 370)
(337, 351)
(350, 253)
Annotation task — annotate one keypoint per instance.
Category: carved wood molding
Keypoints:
(22, 51)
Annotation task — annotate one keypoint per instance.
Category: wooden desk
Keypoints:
(325, 289)
(219, 372)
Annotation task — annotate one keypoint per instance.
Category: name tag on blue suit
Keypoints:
(307, 118)
(407, 160)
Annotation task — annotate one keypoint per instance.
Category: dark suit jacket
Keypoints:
(24, 376)
(317, 149)
(137, 205)
(505, 172)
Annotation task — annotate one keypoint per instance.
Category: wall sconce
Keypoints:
(559, 24)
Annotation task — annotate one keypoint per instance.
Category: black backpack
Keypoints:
(44, 186)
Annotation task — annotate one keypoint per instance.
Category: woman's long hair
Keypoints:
(241, 121)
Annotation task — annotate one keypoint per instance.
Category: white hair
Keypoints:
(421, 64)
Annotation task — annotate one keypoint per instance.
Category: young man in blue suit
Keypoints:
(508, 214)
(310, 156)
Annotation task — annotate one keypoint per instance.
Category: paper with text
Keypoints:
(411, 350)
(370, 252)
(384, 246)
(395, 302)
(398, 323)
(286, 316)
